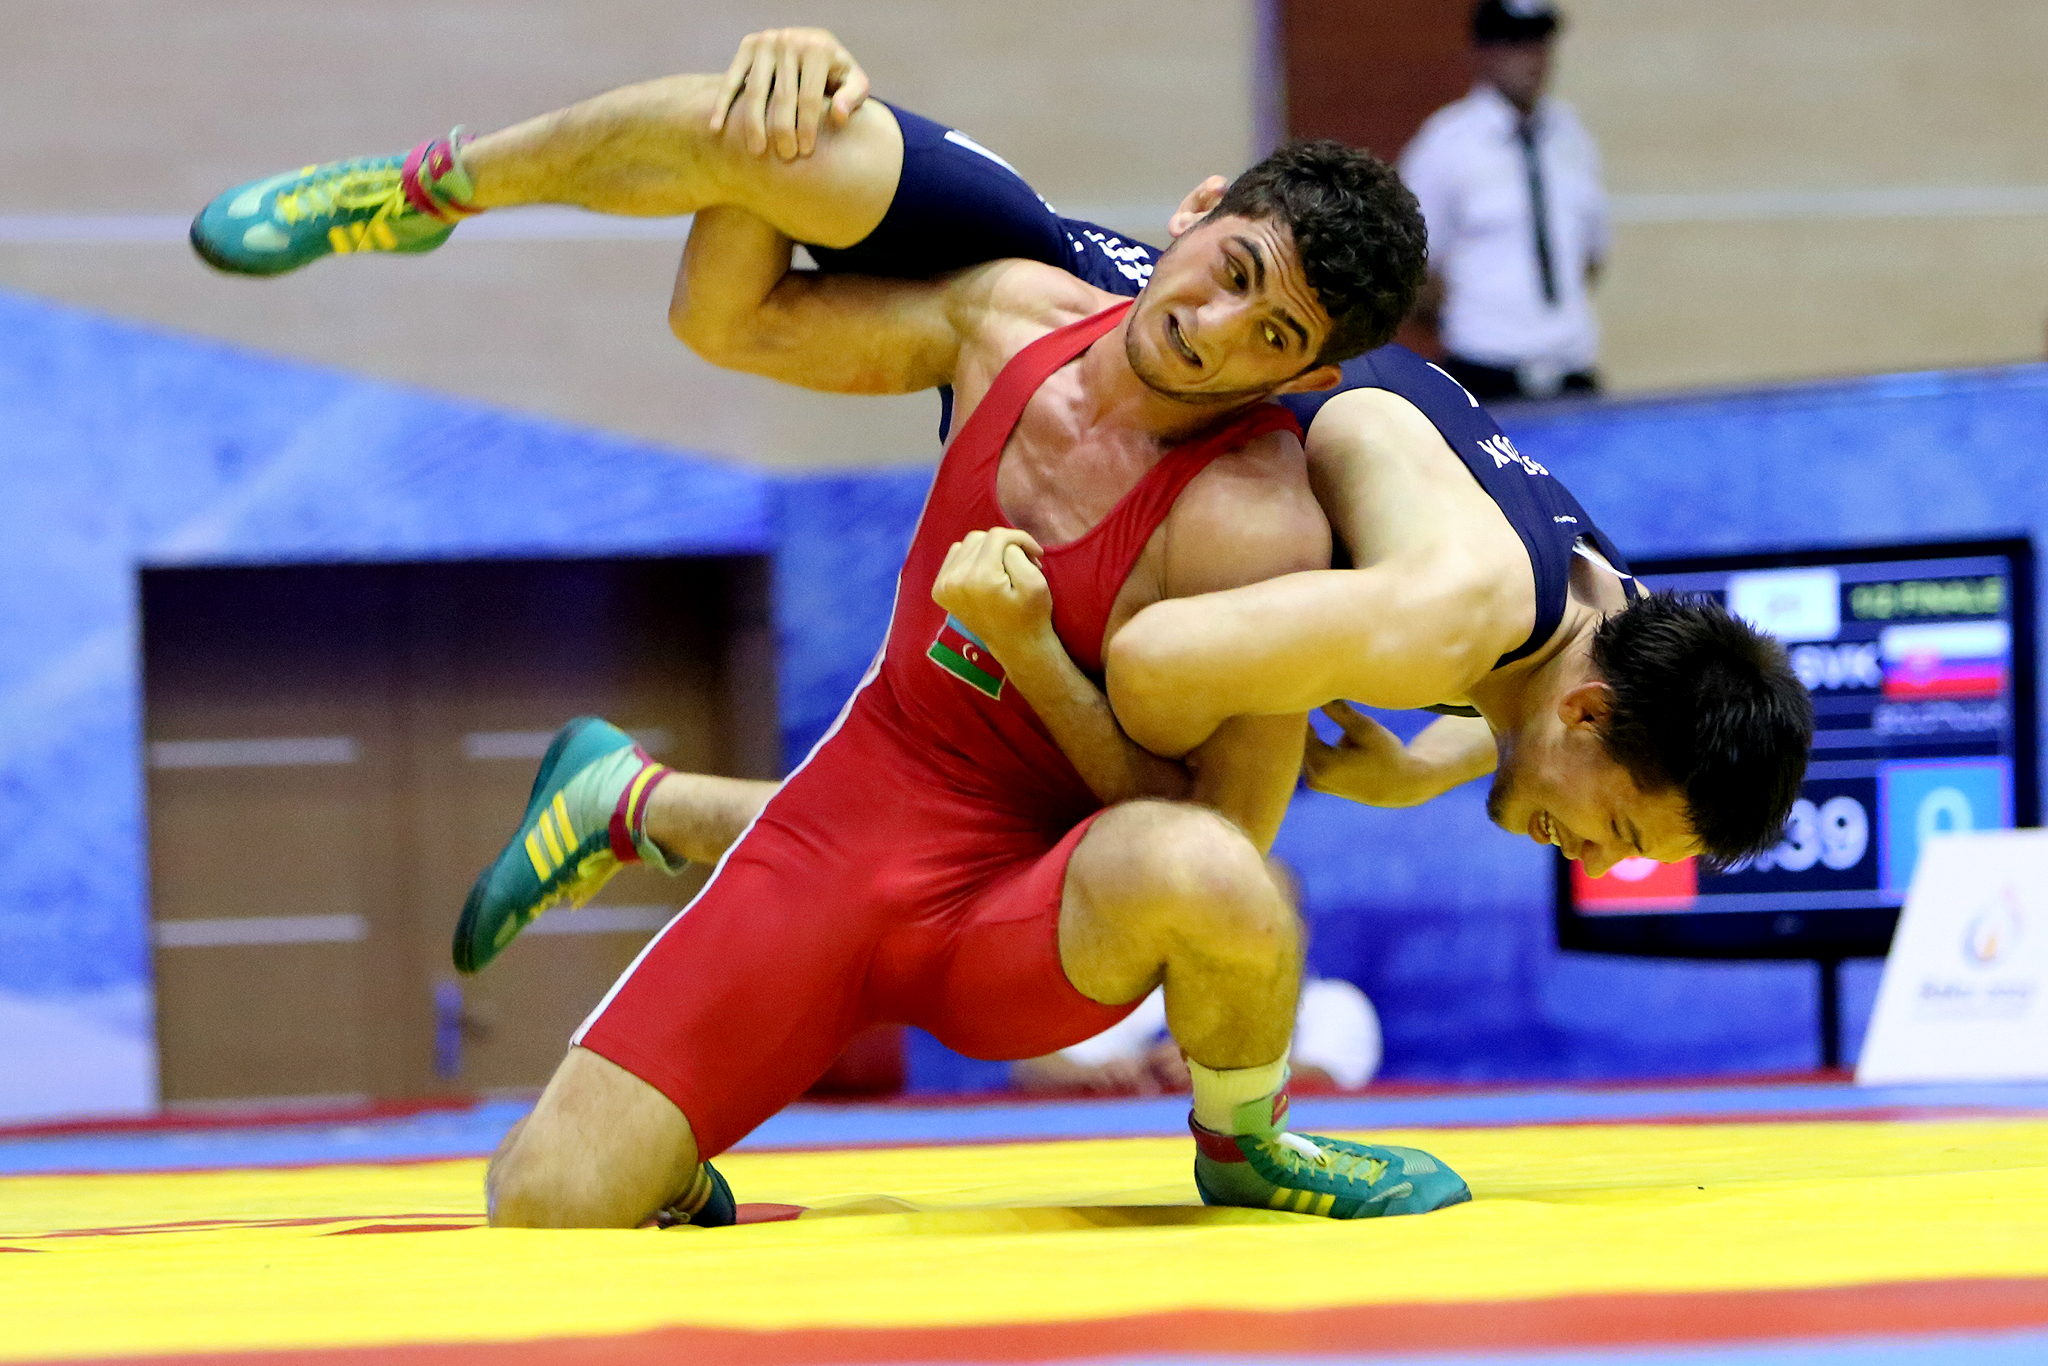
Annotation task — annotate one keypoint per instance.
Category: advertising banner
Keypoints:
(1961, 998)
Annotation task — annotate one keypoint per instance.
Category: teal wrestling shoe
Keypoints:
(709, 1204)
(1265, 1167)
(583, 822)
(407, 203)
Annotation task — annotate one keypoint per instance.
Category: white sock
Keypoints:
(1218, 1094)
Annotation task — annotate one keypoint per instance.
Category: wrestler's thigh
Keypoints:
(749, 994)
(956, 205)
(834, 197)
(602, 1149)
(1002, 992)
(1151, 881)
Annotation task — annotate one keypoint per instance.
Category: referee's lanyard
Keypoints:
(1525, 133)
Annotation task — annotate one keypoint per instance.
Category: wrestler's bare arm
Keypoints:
(991, 583)
(1444, 589)
(1388, 636)
(1369, 764)
(1248, 516)
(739, 305)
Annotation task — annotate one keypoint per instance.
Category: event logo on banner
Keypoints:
(1962, 993)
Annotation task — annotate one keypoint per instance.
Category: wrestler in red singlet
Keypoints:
(911, 869)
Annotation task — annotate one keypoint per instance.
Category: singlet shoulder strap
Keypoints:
(1147, 505)
(992, 420)
(1122, 534)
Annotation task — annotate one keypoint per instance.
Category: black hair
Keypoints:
(1356, 228)
(1707, 704)
(1513, 21)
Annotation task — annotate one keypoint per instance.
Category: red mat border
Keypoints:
(1913, 1307)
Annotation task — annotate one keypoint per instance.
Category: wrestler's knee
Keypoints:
(602, 1149)
(1189, 871)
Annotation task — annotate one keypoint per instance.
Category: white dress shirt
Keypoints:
(1468, 169)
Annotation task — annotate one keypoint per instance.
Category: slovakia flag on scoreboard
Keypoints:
(1946, 659)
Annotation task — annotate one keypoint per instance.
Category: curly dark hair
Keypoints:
(1357, 229)
(1706, 703)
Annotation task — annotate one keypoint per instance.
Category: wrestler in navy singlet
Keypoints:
(958, 204)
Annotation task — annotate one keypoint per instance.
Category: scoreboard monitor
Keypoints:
(1920, 661)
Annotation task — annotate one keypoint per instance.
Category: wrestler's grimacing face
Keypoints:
(1227, 315)
(1563, 788)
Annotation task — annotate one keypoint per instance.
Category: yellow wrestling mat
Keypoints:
(140, 1264)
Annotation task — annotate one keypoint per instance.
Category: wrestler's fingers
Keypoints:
(1009, 535)
(735, 81)
(752, 106)
(814, 75)
(782, 102)
(958, 554)
(852, 92)
(987, 550)
(1354, 723)
(1024, 575)
(1315, 758)
(997, 547)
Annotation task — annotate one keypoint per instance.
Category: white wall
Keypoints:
(1817, 187)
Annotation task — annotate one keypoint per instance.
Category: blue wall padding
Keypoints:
(840, 541)
(125, 447)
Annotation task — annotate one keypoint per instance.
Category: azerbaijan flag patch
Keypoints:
(960, 653)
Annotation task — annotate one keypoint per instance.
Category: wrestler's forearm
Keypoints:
(738, 305)
(698, 816)
(1290, 644)
(1449, 751)
(1078, 715)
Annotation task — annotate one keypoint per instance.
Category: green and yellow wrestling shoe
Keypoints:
(1265, 1167)
(407, 203)
(708, 1204)
(583, 821)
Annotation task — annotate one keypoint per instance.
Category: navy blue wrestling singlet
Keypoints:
(1541, 510)
(958, 204)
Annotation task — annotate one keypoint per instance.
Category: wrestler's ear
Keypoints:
(1196, 206)
(1313, 381)
(1587, 704)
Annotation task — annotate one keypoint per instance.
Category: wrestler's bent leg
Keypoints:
(598, 802)
(646, 149)
(1159, 891)
(602, 1149)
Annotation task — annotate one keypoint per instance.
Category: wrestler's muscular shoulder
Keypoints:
(1003, 307)
(1251, 515)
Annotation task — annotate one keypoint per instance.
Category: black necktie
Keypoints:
(1538, 214)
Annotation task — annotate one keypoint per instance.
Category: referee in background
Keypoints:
(1509, 182)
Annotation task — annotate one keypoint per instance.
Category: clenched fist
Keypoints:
(992, 585)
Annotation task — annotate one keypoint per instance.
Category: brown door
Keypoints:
(335, 751)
